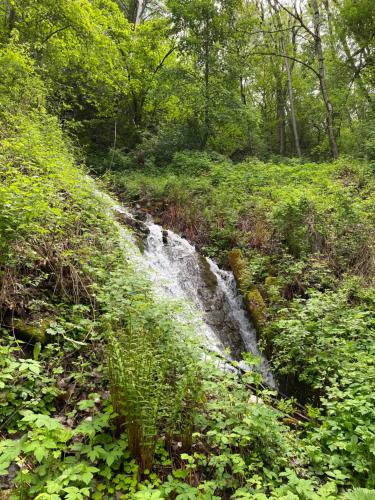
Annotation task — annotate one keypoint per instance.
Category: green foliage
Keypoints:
(343, 444)
(247, 436)
(154, 378)
(305, 234)
(192, 74)
(56, 461)
(24, 384)
(136, 91)
(328, 343)
(331, 332)
(360, 494)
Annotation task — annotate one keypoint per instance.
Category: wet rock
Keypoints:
(140, 214)
(129, 220)
(216, 318)
(180, 272)
(210, 280)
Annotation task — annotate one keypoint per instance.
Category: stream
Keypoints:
(178, 271)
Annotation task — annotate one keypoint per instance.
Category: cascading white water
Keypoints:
(180, 272)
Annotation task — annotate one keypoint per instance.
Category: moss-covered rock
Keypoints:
(238, 265)
(256, 307)
(31, 332)
(254, 300)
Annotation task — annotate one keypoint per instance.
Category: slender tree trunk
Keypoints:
(291, 96)
(322, 80)
(280, 108)
(141, 6)
(206, 126)
(242, 91)
(331, 31)
(10, 17)
(290, 81)
(242, 80)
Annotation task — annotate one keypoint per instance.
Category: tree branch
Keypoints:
(286, 57)
(265, 32)
(160, 65)
(297, 17)
(55, 33)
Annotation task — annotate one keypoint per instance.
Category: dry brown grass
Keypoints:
(257, 231)
(187, 222)
(49, 270)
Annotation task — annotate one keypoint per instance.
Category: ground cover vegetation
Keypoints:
(299, 239)
(232, 122)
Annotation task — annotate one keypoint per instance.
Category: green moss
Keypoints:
(237, 263)
(272, 289)
(270, 281)
(34, 332)
(256, 307)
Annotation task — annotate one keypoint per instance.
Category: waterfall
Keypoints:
(178, 271)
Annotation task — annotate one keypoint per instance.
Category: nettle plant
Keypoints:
(153, 370)
(24, 382)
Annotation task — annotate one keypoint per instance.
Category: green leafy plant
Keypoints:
(154, 378)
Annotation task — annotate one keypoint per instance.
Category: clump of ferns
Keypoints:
(154, 376)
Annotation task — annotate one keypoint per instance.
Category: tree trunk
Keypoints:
(133, 9)
(280, 108)
(331, 31)
(290, 82)
(10, 17)
(141, 6)
(206, 125)
(322, 80)
(242, 91)
(291, 96)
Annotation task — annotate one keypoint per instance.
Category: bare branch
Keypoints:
(286, 57)
(297, 17)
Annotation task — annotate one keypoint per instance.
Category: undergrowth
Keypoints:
(103, 393)
(299, 238)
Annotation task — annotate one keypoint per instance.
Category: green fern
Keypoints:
(360, 494)
(153, 373)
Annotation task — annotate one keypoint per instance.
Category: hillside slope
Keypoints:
(104, 395)
(300, 238)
